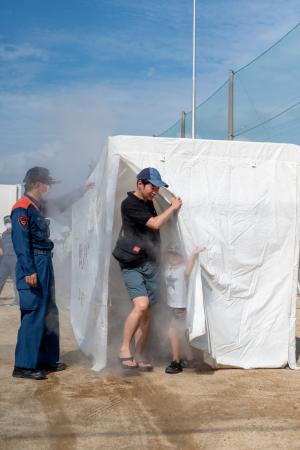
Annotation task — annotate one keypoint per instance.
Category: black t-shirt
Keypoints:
(135, 214)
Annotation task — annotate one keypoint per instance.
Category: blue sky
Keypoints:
(74, 71)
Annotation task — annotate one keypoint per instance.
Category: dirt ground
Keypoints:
(81, 409)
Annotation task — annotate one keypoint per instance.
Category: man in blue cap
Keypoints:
(138, 252)
(37, 349)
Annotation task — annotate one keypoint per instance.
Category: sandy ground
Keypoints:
(204, 409)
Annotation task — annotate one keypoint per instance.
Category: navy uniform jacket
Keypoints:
(30, 230)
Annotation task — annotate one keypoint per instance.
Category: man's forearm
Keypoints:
(156, 222)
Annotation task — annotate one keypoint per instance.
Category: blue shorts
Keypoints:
(143, 281)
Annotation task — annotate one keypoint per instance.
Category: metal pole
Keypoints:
(194, 74)
(183, 117)
(230, 123)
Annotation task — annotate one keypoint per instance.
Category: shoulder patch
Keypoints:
(23, 221)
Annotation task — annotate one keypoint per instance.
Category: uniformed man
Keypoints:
(8, 261)
(37, 349)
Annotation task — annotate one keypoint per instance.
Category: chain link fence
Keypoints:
(266, 99)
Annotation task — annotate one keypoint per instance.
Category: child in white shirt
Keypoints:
(177, 273)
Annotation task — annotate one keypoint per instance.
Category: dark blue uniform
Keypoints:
(38, 336)
(8, 261)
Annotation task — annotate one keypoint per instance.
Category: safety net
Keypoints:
(266, 99)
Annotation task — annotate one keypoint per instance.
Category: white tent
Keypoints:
(241, 201)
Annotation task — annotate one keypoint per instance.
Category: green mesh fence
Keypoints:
(266, 99)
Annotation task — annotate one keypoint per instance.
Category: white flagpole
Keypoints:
(194, 74)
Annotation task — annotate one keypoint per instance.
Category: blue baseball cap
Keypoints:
(39, 174)
(153, 176)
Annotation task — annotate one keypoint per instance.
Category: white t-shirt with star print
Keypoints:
(176, 286)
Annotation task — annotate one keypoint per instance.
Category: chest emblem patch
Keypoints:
(23, 221)
(136, 249)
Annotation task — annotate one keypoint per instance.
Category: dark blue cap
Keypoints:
(39, 174)
(153, 176)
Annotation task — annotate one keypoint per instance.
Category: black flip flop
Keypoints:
(126, 366)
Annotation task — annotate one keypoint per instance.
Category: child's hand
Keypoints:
(198, 250)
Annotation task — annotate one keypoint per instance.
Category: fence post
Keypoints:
(182, 131)
(230, 123)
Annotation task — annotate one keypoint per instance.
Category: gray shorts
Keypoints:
(143, 281)
(177, 318)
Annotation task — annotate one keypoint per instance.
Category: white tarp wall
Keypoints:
(9, 194)
(241, 201)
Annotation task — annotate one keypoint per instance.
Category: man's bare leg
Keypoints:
(140, 308)
(140, 337)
